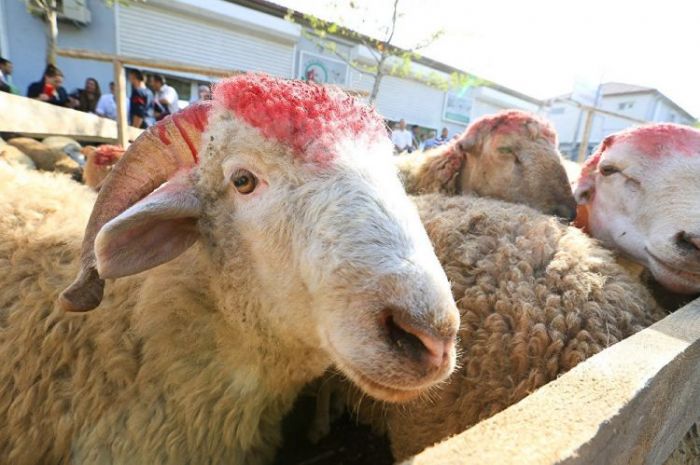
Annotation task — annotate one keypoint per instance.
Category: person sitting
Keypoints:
(107, 105)
(49, 89)
(86, 99)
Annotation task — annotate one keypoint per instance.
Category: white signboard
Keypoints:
(458, 106)
(322, 69)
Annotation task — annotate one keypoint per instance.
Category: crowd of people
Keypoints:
(406, 140)
(149, 100)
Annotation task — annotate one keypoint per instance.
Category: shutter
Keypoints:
(150, 32)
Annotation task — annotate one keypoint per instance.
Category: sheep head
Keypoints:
(639, 193)
(511, 156)
(290, 189)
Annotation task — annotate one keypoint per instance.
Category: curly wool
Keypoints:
(299, 114)
(536, 298)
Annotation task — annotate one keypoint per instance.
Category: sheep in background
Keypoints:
(509, 156)
(99, 162)
(285, 243)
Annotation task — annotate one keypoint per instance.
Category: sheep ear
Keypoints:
(153, 231)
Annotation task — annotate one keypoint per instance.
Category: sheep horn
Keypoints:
(165, 148)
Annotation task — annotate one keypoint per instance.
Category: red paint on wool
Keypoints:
(107, 155)
(309, 118)
(654, 141)
(511, 122)
(662, 140)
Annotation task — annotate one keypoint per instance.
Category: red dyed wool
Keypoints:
(107, 155)
(511, 122)
(309, 118)
(656, 141)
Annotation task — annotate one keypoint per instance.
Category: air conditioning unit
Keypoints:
(74, 10)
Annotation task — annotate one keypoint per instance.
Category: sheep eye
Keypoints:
(607, 170)
(244, 181)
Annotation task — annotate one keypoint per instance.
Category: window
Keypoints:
(625, 105)
(557, 111)
(672, 118)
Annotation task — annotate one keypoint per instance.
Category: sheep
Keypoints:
(510, 156)
(99, 162)
(536, 298)
(15, 156)
(249, 242)
(629, 199)
(46, 158)
(638, 194)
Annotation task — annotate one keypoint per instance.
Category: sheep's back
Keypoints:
(536, 298)
(49, 356)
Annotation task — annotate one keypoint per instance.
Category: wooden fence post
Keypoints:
(120, 99)
(583, 149)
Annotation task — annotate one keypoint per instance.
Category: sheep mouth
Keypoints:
(672, 277)
(371, 385)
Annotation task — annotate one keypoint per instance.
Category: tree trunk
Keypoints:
(377, 80)
(51, 34)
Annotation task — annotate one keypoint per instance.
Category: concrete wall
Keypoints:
(27, 45)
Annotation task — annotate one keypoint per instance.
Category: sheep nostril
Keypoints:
(688, 242)
(417, 344)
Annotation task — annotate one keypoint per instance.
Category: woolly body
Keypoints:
(535, 298)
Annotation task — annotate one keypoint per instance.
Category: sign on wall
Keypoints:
(458, 106)
(322, 69)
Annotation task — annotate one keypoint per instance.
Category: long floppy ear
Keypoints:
(153, 231)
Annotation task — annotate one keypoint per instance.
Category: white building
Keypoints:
(248, 35)
(639, 104)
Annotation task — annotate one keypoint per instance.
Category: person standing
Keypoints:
(438, 141)
(402, 138)
(6, 77)
(107, 105)
(50, 88)
(140, 102)
(166, 98)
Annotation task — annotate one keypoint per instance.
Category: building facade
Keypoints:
(634, 105)
(247, 35)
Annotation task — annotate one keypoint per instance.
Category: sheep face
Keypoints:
(339, 247)
(311, 242)
(639, 194)
(513, 156)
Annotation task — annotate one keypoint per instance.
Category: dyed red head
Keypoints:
(308, 119)
(638, 193)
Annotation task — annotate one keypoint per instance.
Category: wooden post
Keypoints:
(583, 149)
(120, 99)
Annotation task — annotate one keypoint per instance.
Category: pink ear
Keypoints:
(153, 231)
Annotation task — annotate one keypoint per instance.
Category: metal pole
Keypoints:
(583, 149)
(120, 99)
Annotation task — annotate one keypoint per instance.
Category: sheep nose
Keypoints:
(430, 348)
(688, 242)
(565, 212)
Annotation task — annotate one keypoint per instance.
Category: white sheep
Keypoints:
(257, 239)
(639, 194)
